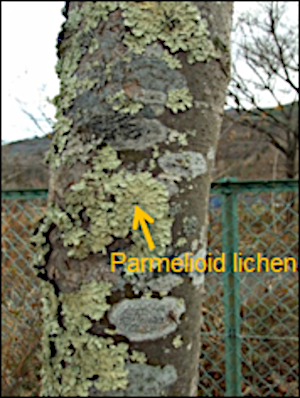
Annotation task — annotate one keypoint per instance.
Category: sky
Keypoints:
(29, 35)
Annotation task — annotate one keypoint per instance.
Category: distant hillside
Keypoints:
(242, 152)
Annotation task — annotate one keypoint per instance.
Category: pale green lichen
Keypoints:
(179, 27)
(112, 219)
(138, 356)
(148, 294)
(79, 24)
(122, 103)
(181, 241)
(155, 152)
(88, 303)
(152, 164)
(92, 361)
(176, 136)
(170, 60)
(94, 45)
(177, 341)
(177, 24)
(179, 100)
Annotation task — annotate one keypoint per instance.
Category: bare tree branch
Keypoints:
(268, 48)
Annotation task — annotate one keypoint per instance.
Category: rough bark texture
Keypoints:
(139, 113)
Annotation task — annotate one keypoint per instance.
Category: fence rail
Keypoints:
(250, 319)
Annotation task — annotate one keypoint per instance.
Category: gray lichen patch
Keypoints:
(169, 182)
(139, 134)
(148, 284)
(190, 225)
(148, 86)
(146, 319)
(211, 153)
(151, 97)
(146, 381)
(198, 277)
(187, 164)
(137, 74)
(194, 245)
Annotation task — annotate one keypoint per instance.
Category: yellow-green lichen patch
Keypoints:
(79, 26)
(179, 100)
(181, 241)
(192, 133)
(89, 302)
(108, 197)
(171, 61)
(165, 28)
(122, 103)
(88, 358)
(138, 356)
(177, 341)
(80, 360)
(152, 164)
(50, 328)
(176, 136)
(155, 152)
(177, 24)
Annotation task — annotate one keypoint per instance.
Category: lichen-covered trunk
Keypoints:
(138, 116)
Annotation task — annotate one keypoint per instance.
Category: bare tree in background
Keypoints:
(19, 172)
(40, 118)
(269, 47)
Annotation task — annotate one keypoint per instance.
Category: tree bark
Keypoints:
(138, 117)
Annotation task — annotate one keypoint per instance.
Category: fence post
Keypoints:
(231, 292)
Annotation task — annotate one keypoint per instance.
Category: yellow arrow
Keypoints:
(141, 217)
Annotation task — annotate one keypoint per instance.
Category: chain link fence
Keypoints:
(250, 319)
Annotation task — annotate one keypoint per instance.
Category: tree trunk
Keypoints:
(139, 112)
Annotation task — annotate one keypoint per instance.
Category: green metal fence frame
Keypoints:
(228, 190)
